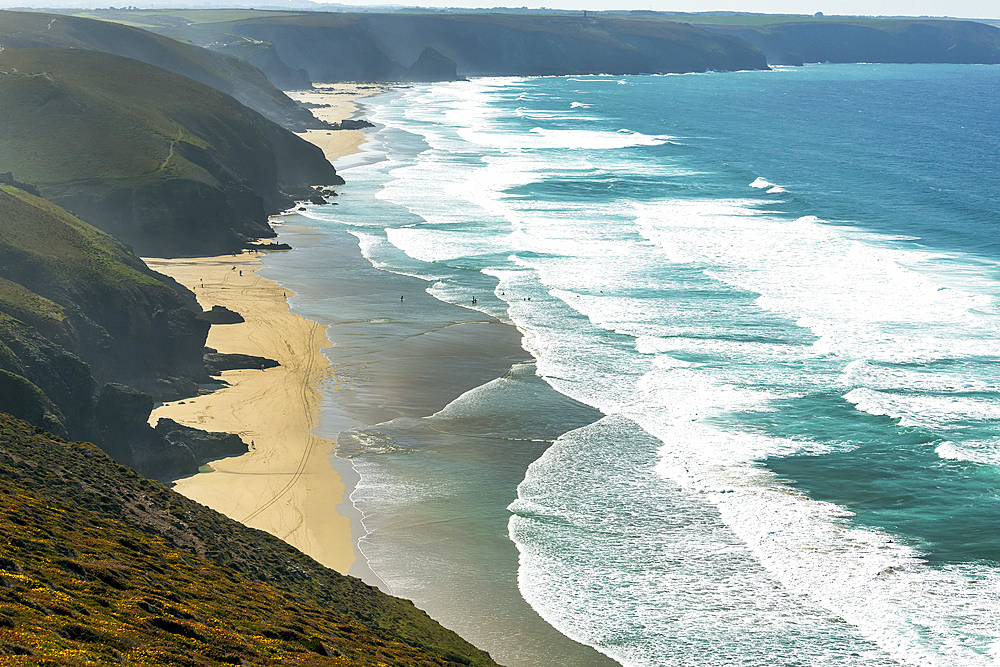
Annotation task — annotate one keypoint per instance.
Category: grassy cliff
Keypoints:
(101, 566)
(232, 76)
(166, 164)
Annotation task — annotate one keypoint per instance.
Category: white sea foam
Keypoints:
(652, 325)
(937, 413)
(540, 137)
(986, 452)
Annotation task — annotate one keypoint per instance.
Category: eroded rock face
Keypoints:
(79, 312)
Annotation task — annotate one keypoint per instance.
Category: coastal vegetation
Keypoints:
(102, 566)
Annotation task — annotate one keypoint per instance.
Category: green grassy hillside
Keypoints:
(230, 75)
(82, 289)
(191, 171)
(101, 566)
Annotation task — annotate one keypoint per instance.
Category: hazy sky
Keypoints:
(962, 8)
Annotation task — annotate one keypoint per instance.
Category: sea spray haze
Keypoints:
(778, 292)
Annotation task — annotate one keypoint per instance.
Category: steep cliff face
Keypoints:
(234, 76)
(497, 44)
(874, 41)
(189, 172)
(81, 317)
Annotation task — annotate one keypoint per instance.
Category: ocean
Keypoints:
(753, 418)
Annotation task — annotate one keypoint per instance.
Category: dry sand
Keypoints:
(335, 143)
(286, 485)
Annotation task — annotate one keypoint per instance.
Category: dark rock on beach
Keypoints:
(199, 446)
(216, 362)
(352, 124)
(270, 246)
(222, 315)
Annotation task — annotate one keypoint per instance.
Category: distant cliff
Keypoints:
(230, 75)
(838, 40)
(402, 46)
(166, 164)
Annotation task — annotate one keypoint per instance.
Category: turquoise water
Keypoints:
(768, 305)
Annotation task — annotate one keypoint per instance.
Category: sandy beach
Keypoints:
(337, 105)
(285, 484)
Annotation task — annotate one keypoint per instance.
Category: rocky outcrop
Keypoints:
(216, 362)
(198, 446)
(222, 315)
(432, 65)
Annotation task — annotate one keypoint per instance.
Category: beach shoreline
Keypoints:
(335, 103)
(287, 484)
(403, 361)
